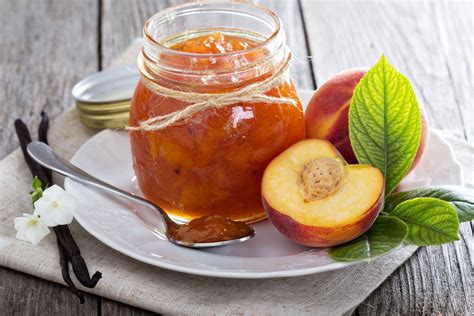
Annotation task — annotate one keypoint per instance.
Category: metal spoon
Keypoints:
(45, 156)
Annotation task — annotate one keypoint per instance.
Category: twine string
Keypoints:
(253, 93)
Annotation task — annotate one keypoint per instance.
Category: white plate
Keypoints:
(107, 156)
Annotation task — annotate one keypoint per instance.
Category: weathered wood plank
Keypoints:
(293, 24)
(424, 41)
(45, 47)
(122, 21)
(454, 24)
(22, 294)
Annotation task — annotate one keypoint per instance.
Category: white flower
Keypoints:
(30, 228)
(56, 207)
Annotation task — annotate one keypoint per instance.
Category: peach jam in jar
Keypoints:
(229, 61)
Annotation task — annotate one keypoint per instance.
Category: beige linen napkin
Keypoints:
(159, 290)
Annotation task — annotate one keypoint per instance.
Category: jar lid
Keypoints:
(104, 108)
(103, 99)
(107, 86)
(117, 120)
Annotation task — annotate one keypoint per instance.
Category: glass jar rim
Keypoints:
(167, 13)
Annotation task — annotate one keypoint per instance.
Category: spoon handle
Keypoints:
(45, 156)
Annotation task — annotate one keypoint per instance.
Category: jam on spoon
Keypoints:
(210, 228)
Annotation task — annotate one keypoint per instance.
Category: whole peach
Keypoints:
(327, 114)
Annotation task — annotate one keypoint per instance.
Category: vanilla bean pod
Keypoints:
(63, 261)
(68, 249)
(74, 255)
(43, 137)
(24, 137)
(62, 231)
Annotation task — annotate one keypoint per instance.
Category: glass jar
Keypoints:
(212, 162)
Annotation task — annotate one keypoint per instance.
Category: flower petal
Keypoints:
(47, 214)
(64, 216)
(35, 233)
(20, 226)
(53, 193)
(19, 222)
(56, 206)
(67, 201)
(21, 235)
(30, 228)
(42, 205)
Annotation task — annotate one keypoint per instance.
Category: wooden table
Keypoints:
(47, 46)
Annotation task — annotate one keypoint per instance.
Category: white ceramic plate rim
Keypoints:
(212, 273)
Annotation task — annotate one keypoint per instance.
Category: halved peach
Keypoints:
(315, 198)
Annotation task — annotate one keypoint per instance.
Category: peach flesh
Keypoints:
(328, 110)
(346, 213)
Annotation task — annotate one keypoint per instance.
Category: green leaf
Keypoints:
(386, 234)
(385, 122)
(36, 184)
(430, 221)
(37, 190)
(460, 198)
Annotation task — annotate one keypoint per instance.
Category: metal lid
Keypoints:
(117, 120)
(104, 108)
(107, 86)
(103, 99)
